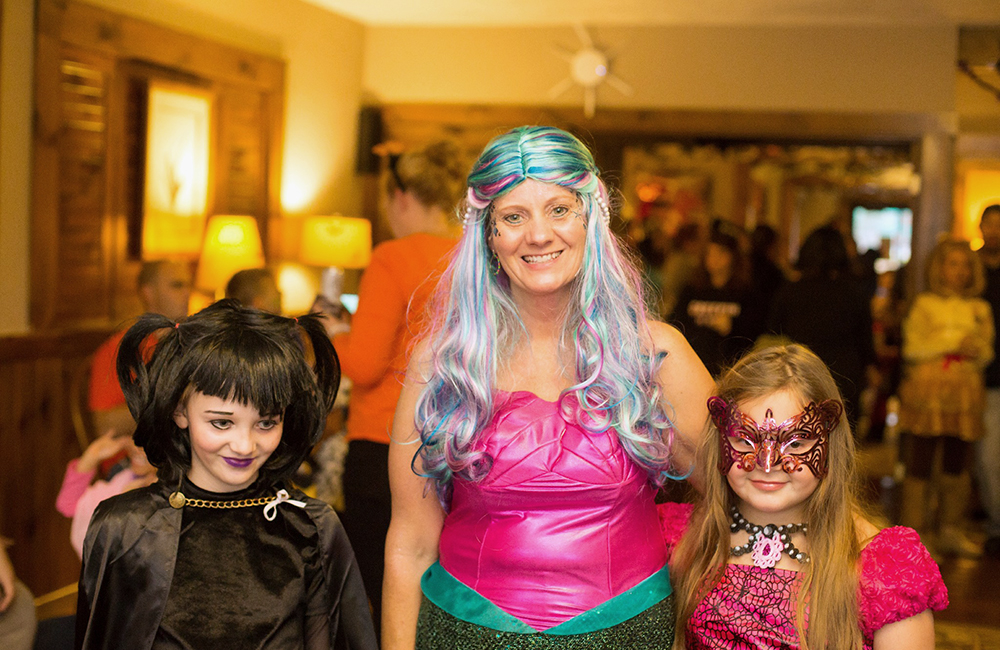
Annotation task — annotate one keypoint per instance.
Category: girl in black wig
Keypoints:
(221, 552)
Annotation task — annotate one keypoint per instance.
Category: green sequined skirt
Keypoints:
(650, 629)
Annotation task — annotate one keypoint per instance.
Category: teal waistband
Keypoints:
(451, 595)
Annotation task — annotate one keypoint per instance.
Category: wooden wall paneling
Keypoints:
(274, 128)
(126, 167)
(241, 162)
(45, 167)
(37, 442)
(87, 178)
(124, 37)
(83, 290)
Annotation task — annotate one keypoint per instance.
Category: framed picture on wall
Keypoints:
(178, 170)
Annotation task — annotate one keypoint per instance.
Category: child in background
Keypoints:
(78, 497)
(780, 554)
(220, 552)
(947, 343)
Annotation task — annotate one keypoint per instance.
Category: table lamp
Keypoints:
(232, 243)
(336, 243)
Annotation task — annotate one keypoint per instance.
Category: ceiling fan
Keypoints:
(589, 67)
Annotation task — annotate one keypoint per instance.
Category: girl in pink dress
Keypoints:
(781, 554)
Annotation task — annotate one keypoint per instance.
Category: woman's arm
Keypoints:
(914, 633)
(686, 387)
(411, 545)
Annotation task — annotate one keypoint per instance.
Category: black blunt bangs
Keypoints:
(230, 352)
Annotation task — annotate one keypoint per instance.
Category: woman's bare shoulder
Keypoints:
(665, 337)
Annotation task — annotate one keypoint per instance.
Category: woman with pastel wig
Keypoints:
(539, 414)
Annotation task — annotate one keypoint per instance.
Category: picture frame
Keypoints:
(178, 169)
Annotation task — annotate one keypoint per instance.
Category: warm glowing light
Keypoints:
(177, 173)
(343, 242)
(305, 173)
(649, 192)
(298, 285)
(297, 193)
(231, 235)
(982, 188)
(232, 243)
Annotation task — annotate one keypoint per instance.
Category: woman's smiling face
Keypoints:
(540, 237)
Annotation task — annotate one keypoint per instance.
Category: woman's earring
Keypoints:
(495, 263)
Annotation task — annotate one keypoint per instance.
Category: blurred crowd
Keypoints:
(920, 365)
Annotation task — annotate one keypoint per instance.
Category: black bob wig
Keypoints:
(231, 352)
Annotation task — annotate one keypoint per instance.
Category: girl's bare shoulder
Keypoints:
(866, 529)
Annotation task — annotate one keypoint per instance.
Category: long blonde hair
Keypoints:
(935, 276)
(829, 580)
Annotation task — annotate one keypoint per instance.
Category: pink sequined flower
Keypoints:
(767, 551)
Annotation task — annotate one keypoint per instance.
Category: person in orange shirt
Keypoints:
(164, 288)
(423, 188)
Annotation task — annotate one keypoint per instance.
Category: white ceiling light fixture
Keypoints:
(589, 67)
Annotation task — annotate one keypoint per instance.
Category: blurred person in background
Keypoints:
(947, 342)
(164, 287)
(826, 310)
(766, 272)
(717, 311)
(17, 607)
(255, 288)
(422, 190)
(682, 260)
(988, 448)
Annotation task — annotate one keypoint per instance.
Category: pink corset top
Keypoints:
(563, 521)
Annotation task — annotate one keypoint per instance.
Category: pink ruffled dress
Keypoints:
(753, 608)
(563, 521)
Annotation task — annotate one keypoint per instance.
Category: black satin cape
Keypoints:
(129, 557)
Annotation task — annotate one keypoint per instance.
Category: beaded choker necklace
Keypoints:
(767, 543)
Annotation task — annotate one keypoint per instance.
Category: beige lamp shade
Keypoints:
(232, 243)
(342, 242)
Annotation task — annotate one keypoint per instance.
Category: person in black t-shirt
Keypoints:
(988, 448)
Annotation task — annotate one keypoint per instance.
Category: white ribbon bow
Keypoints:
(271, 509)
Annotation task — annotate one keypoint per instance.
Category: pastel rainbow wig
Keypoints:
(476, 322)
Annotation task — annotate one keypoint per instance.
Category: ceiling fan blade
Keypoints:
(589, 101)
(563, 53)
(560, 87)
(619, 84)
(583, 35)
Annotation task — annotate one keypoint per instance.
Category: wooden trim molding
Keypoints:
(37, 439)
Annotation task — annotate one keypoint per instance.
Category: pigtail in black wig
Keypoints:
(133, 368)
(326, 364)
